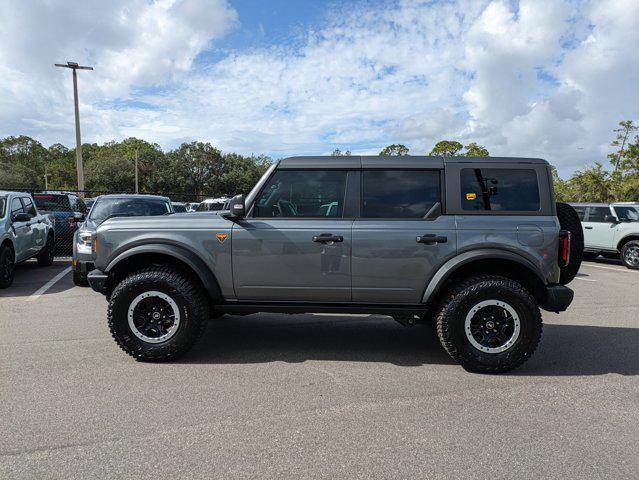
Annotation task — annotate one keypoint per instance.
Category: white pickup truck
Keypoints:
(611, 230)
(24, 233)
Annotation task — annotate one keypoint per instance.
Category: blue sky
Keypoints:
(544, 78)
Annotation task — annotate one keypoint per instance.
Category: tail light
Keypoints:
(71, 222)
(564, 247)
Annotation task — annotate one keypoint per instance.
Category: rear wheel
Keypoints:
(157, 314)
(630, 254)
(7, 266)
(569, 220)
(45, 257)
(489, 324)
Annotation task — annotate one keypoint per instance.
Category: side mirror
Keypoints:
(237, 209)
(610, 219)
(20, 217)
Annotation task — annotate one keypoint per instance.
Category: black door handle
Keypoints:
(431, 239)
(588, 228)
(328, 238)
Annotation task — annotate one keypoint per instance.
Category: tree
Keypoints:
(446, 148)
(22, 161)
(394, 150)
(474, 150)
(592, 184)
(625, 130)
(338, 153)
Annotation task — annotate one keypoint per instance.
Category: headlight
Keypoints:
(85, 240)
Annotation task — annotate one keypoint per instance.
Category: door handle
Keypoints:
(431, 239)
(588, 228)
(328, 238)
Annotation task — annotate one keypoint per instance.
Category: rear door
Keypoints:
(599, 227)
(38, 228)
(400, 237)
(295, 243)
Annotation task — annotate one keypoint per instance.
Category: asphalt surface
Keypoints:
(310, 396)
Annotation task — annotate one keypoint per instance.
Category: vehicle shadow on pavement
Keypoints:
(29, 277)
(263, 338)
(575, 350)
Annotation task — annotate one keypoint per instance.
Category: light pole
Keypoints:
(136, 170)
(78, 143)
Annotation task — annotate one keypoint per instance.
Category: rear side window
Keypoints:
(598, 214)
(28, 206)
(302, 193)
(499, 189)
(399, 193)
(581, 212)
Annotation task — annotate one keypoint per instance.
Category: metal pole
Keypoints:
(78, 141)
(46, 179)
(136, 170)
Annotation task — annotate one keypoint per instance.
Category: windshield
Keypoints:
(3, 206)
(627, 213)
(52, 203)
(128, 207)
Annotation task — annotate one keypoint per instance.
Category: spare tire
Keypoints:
(569, 220)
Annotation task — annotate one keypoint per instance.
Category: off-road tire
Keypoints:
(569, 220)
(80, 279)
(624, 250)
(45, 257)
(460, 299)
(7, 266)
(183, 290)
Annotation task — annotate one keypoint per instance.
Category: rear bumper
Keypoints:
(558, 298)
(98, 281)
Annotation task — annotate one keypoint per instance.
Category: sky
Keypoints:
(542, 78)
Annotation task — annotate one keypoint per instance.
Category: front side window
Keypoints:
(28, 206)
(16, 206)
(627, 214)
(399, 193)
(3, 206)
(599, 214)
(499, 189)
(302, 193)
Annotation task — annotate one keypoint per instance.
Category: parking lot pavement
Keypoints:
(277, 396)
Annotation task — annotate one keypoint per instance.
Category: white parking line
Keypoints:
(585, 279)
(48, 285)
(609, 268)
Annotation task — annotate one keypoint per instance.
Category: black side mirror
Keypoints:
(237, 209)
(20, 217)
(610, 219)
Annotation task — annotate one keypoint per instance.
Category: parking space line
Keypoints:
(609, 268)
(585, 279)
(48, 285)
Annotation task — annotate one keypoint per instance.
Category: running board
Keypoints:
(305, 307)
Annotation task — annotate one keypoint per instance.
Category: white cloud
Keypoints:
(534, 78)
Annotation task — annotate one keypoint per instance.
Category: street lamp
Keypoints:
(78, 143)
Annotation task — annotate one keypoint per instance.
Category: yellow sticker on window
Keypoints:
(471, 196)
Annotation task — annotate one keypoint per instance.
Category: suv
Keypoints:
(611, 230)
(474, 243)
(24, 233)
(105, 207)
(68, 210)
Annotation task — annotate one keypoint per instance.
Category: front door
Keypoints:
(22, 232)
(294, 244)
(400, 237)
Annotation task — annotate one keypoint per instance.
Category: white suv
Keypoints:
(611, 230)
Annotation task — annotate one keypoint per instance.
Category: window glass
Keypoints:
(581, 212)
(80, 206)
(3, 206)
(128, 207)
(52, 203)
(302, 193)
(28, 206)
(399, 193)
(499, 189)
(16, 206)
(598, 214)
(627, 214)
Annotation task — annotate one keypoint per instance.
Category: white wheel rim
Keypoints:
(512, 320)
(169, 331)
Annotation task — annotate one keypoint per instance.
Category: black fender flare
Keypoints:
(452, 265)
(181, 254)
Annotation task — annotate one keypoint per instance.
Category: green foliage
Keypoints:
(394, 150)
(452, 148)
(338, 153)
(22, 161)
(474, 150)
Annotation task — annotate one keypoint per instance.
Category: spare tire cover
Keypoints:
(569, 220)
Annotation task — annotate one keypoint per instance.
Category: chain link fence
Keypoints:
(69, 208)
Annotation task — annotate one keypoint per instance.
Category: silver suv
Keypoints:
(475, 244)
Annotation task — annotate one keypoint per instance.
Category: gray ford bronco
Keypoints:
(476, 245)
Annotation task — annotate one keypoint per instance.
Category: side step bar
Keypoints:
(304, 307)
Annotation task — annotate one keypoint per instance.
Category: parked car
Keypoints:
(179, 207)
(478, 245)
(212, 205)
(24, 233)
(612, 230)
(192, 206)
(89, 203)
(104, 208)
(69, 211)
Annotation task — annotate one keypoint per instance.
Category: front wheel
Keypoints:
(157, 314)
(7, 266)
(489, 324)
(630, 254)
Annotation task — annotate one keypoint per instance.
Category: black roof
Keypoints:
(405, 161)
